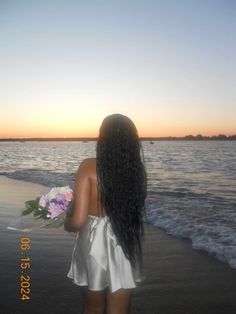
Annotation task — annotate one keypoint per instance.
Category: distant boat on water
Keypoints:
(151, 142)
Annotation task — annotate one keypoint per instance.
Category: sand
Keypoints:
(179, 279)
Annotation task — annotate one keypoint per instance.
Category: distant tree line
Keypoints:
(199, 137)
(214, 137)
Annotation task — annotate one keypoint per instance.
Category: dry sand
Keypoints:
(179, 279)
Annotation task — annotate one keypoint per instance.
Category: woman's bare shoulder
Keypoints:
(89, 160)
(89, 164)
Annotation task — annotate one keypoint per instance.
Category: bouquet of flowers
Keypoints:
(52, 207)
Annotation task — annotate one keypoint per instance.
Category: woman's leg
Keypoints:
(94, 301)
(119, 302)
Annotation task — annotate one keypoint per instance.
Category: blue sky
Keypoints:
(169, 65)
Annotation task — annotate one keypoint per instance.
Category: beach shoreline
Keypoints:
(179, 278)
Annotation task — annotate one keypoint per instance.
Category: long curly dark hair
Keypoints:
(122, 181)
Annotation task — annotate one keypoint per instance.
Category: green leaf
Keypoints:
(37, 213)
(27, 211)
(31, 204)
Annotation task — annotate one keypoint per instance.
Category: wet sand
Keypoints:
(179, 279)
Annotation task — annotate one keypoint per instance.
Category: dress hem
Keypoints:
(100, 289)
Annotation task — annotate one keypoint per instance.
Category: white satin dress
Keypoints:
(98, 260)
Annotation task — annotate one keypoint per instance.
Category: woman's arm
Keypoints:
(79, 214)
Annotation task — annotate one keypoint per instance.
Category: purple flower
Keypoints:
(55, 209)
(56, 201)
(62, 203)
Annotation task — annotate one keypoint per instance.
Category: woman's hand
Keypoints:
(71, 231)
(68, 227)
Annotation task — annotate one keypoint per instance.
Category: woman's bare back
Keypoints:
(94, 206)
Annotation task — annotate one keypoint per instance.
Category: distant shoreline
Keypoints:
(220, 137)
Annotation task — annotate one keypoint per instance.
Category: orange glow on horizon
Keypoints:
(56, 134)
(88, 126)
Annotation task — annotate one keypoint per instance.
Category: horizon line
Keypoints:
(93, 138)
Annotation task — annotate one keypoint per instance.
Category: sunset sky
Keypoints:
(167, 64)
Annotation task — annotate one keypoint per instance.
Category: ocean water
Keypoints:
(191, 184)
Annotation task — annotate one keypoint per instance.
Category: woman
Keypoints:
(110, 194)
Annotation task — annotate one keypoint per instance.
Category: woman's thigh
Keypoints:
(94, 301)
(119, 302)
